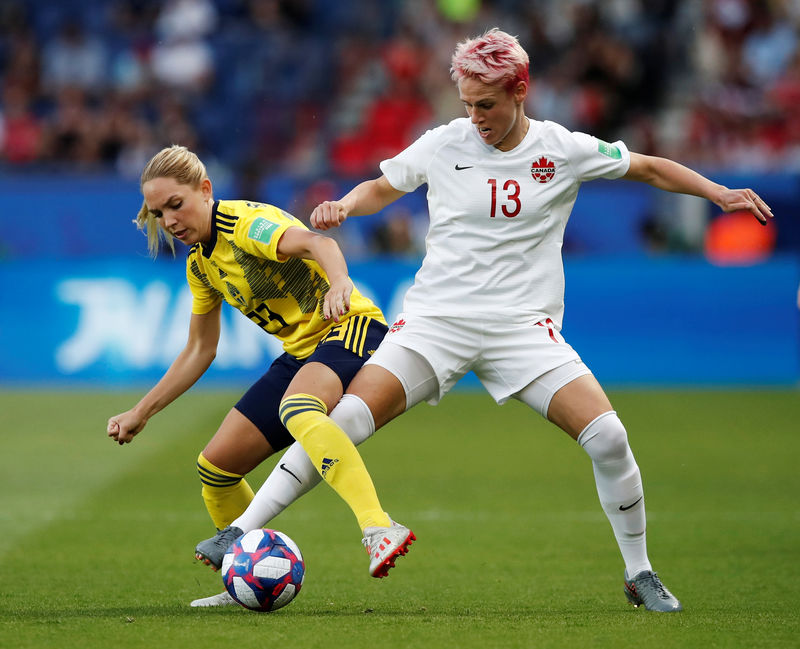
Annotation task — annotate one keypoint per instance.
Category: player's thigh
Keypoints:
(260, 404)
(577, 404)
(381, 390)
(337, 359)
(318, 380)
(521, 355)
(420, 350)
(395, 379)
(238, 445)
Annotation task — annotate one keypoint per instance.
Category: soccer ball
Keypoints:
(263, 570)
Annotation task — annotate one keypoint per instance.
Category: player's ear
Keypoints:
(520, 91)
(206, 189)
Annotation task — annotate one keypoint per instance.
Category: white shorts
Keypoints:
(505, 356)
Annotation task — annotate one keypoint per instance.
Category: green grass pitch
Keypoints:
(513, 549)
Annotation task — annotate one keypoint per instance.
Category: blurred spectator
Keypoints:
(129, 70)
(74, 59)
(399, 235)
(770, 44)
(133, 36)
(182, 58)
(191, 19)
(21, 131)
(22, 61)
(123, 134)
(183, 63)
(139, 146)
(785, 97)
(304, 157)
(394, 117)
(173, 124)
(71, 134)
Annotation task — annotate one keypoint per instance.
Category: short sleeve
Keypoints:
(409, 168)
(593, 158)
(260, 233)
(204, 296)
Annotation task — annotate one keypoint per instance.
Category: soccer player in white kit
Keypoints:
(489, 296)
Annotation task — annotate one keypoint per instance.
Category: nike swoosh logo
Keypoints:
(458, 168)
(623, 508)
(282, 467)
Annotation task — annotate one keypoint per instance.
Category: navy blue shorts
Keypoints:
(344, 349)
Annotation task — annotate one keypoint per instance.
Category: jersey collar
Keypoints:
(530, 135)
(208, 248)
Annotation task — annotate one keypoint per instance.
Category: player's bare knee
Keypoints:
(605, 438)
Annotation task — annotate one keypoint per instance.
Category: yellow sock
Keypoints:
(226, 494)
(334, 455)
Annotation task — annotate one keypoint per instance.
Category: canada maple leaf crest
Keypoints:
(543, 170)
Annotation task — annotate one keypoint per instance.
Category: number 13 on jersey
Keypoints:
(509, 198)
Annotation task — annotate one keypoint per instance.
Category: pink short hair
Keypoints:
(494, 58)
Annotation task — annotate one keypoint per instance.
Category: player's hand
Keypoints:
(328, 214)
(337, 299)
(732, 200)
(124, 427)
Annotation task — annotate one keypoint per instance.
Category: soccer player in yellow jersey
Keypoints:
(294, 284)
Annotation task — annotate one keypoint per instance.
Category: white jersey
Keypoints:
(497, 218)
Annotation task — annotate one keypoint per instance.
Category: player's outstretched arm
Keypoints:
(191, 363)
(674, 177)
(365, 198)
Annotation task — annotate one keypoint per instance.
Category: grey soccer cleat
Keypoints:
(211, 551)
(220, 599)
(646, 588)
(384, 545)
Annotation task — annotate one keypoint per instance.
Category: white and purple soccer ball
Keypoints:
(263, 570)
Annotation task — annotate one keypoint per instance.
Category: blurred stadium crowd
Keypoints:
(315, 89)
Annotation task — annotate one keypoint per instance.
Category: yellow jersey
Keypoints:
(240, 265)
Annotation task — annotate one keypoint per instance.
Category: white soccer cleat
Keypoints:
(384, 545)
(220, 599)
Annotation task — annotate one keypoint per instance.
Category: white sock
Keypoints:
(294, 474)
(619, 486)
